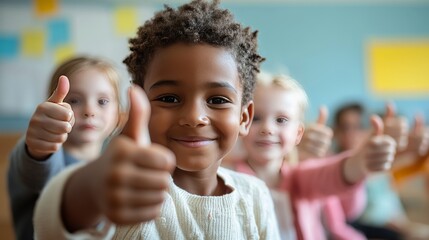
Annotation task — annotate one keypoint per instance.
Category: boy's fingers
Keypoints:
(136, 127)
(323, 115)
(377, 125)
(61, 91)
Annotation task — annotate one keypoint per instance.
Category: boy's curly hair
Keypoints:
(198, 22)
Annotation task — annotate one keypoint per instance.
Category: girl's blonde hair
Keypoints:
(79, 63)
(286, 83)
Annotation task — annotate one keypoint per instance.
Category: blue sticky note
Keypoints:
(58, 33)
(9, 46)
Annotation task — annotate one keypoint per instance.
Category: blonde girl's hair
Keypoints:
(286, 83)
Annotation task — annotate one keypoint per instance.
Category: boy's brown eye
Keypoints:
(168, 99)
(218, 100)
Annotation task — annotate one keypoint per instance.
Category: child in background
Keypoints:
(384, 216)
(197, 66)
(71, 126)
(339, 209)
(276, 129)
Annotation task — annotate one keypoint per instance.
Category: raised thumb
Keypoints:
(377, 125)
(323, 115)
(419, 124)
(60, 91)
(390, 110)
(136, 126)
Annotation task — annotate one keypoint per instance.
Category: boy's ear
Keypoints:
(300, 133)
(246, 118)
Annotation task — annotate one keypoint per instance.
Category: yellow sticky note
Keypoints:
(126, 21)
(45, 7)
(399, 67)
(63, 52)
(33, 42)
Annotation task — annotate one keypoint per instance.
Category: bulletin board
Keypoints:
(36, 36)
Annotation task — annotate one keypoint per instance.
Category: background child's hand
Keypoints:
(317, 137)
(418, 139)
(396, 126)
(50, 124)
(376, 154)
(134, 173)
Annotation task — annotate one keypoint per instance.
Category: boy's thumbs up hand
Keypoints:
(137, 124)
(50, 124)
(317, 137)
(134, 172)
(376, 154)
(396, 127)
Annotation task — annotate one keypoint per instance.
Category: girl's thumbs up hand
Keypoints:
(50, 123)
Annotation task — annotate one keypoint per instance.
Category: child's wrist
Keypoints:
(354, 170)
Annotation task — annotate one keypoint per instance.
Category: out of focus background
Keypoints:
(370, 51)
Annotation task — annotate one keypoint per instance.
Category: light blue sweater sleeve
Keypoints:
(30, 173)
(26, 179)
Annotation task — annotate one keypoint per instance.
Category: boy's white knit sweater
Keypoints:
(246, 213)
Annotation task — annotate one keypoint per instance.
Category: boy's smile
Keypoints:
(195, 97)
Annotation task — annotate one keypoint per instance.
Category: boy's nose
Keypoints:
(194, 116)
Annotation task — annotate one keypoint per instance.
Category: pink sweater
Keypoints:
(309, 184)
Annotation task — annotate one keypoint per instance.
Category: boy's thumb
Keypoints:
(323, 115)
(60, 91)
(377, 125)
(136, 127)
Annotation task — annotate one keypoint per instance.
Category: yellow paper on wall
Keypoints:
(63, 52)
(33, 43)
(45, 7)
(400, 67)
(126, 21)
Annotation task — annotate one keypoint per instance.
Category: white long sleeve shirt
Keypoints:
(245, 213)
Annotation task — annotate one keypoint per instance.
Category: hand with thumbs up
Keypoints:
(50, 124)
(396, 127)
(418, 139)
(375, 155)
(127, 184)
(317, 138)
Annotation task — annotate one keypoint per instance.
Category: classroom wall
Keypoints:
(323, 44)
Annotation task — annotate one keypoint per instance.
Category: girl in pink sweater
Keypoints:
(277, 127)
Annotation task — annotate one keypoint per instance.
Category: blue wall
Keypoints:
(323, 47)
